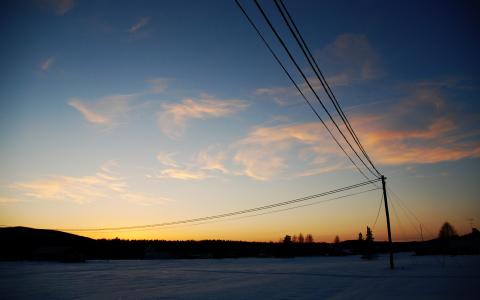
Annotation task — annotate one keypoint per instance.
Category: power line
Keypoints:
(313, 64)
(400, 225)
(254, 215)
(406, 207)
(409, 218)
(308, 83)
(240, 212)
(409, 213)
(332, 97)
(378, 212)
(303, 205)
(298, 88)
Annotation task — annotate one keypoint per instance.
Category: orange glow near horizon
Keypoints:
(157, 120)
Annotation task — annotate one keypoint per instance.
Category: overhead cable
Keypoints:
(252, 215)
(313, 64)
(299, 89)
(279, 38)
(240, 212)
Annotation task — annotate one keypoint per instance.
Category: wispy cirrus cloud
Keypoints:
(59, 7)
(206, 164)
(420, 128)
(8, 200)
(350, 58)
(212, 160)
(89, 114)
(278, 157)
(269, 152)
(159, 85)
(108, 111)
(173, 119)
(103, 185)
(179, 173)
(47, 63)
(167, 159)
(432, 145)
(282, 96)
(139, 25)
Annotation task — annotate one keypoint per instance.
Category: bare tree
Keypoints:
(336, 241)
(447, 231)
(309, 238)
(301, 238)
(360, 236)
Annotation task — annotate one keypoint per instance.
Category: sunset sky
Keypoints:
(123, 113)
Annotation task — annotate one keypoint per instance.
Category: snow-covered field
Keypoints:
(247, 278)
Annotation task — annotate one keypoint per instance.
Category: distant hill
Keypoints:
(22, 243)
(41, 244)
(466, 244)
(28, 235)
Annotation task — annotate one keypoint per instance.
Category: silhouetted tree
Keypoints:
(447, 232)
(301, 239)
(294, 239)
(309, 238)
(368, 247)
(369, 235)
(360, 236)
(336, 240)
(287, 239)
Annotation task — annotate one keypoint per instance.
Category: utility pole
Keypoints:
(388, 222)
(421, 231)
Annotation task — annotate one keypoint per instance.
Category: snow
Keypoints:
(428, 277)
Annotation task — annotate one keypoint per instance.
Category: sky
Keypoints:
(125, 113)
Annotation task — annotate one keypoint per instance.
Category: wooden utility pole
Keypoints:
(388, 222)
(421, 231)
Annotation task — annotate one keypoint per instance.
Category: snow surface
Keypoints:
(429, 277)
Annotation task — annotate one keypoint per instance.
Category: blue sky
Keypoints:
(120, 113)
